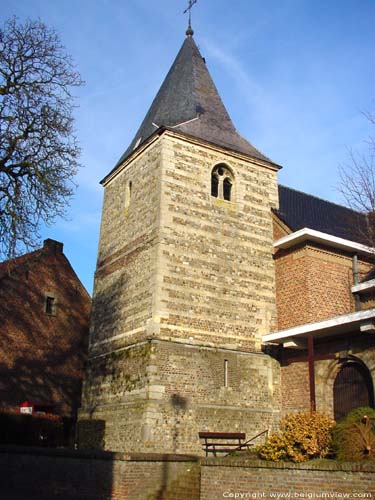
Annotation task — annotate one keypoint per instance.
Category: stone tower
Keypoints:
(184, 285)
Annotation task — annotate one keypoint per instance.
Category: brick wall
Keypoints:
(295, 387)
(224, 478)
(42, 355)
(68, 475)
(354, 346)
(312, 284)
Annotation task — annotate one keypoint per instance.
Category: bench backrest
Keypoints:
(222, 435)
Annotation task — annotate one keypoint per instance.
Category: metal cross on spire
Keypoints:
(189, 31)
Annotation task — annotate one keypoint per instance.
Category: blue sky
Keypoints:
(295, 76)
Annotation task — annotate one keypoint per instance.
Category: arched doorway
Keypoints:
(352, 388)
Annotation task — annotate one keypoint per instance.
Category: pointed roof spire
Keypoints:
(189, 102)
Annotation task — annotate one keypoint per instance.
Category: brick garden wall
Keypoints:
(59, 474)
(224, 478)
(69, 475)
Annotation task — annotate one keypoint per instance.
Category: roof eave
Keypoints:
(327, 328)
(365, 287)
(307, 234)
(136, 152)
(160, 131)
(215, 145)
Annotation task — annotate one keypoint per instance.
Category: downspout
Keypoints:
(355, 280)
(311, 362)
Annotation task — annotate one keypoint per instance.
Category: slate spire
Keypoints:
(189, 102)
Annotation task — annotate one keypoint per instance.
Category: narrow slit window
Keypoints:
(50, 305)
(225, 373)
(128, 195)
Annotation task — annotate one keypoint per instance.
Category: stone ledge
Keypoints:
(98, 454)
(326, 465)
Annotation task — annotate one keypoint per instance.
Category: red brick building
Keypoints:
(44, 311)
(324, 296)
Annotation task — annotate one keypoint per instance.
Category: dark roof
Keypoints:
(188, 93)
(298, 210)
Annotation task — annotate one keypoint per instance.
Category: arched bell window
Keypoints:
(222, 181)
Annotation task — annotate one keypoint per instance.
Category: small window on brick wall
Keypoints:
(128, 195)
(222, 181)
(50, 304)
(225, 373)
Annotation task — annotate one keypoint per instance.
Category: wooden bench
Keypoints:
(222, 442)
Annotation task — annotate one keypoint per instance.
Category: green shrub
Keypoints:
(354, 437)
(303, 436)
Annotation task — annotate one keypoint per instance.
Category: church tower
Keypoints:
(184, 285)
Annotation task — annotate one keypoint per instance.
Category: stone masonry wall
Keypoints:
(124, 288)
(178, 266)
(116, 374)
(157, 396)
(176, 263)
(215, 268)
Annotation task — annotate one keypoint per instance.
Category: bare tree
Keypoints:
(357, 186)
(38, 149)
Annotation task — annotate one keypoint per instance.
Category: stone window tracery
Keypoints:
(222, 181)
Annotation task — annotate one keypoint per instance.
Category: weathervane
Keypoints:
(189, 31)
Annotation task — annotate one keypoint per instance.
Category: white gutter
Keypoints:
(332, 326)
(307, 234)
(363, 287)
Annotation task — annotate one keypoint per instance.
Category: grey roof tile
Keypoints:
(299, 210)
(189, 102)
